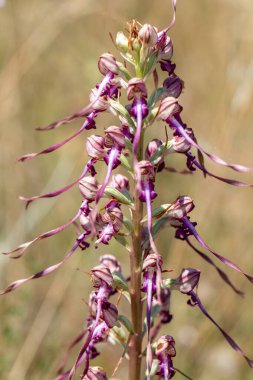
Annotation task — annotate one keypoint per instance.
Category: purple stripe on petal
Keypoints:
(216, 159)
(149, 217)
(14, 285)
(152, 243)
(23, 247)
(137, 134)
(113, 157)
(189, 225)
(55, 193)
(196, 301)
(222, 274)
(149, 307)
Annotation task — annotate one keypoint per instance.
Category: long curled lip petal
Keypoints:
(23, 247)
(85, 111)
(229, 181)
(221, 273)
(55, 193)
(231, 264)
(16, 284)
(195, 301)
(53, 147)
(113, 155)
(214, 158)
(80, 356)
(67, 353)
(174, 4)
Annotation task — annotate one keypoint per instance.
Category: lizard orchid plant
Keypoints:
(121, 208)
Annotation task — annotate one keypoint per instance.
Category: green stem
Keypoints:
(135, 345)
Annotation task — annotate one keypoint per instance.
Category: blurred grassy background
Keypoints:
(48, 60)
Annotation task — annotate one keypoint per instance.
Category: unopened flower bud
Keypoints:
(122, 42)
(180, 207)
(98, 103)
(188, 280)
(119, 182)
(151, 149)
(152, 261)
(85, 222)
(114, 135)
(109, 314)
(95, 373)
(166, 346)
(136, 86)
(166, 49)
(92, 304)
(110, 262)
(180, 144)
(101, 275)
(95, 146)
(88, 187)
(169, 106)
(107, 63)
(114, 216)
(148, 35)
(146, 168)
(173, 85)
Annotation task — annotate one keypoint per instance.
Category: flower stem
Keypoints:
(135, 345)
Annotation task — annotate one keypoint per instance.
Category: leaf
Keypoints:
(125, 321)
(119, 281)
(155, 96)
(116, 194)
(119, 108)
(157, 212)
(122, 240)
(125, 163)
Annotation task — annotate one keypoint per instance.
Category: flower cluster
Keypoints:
(121, 207)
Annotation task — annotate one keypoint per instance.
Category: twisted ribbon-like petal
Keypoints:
(14, 285)
(195, 301)
(55, 193)
(23, 247)
(224, 260)
(239, 168)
